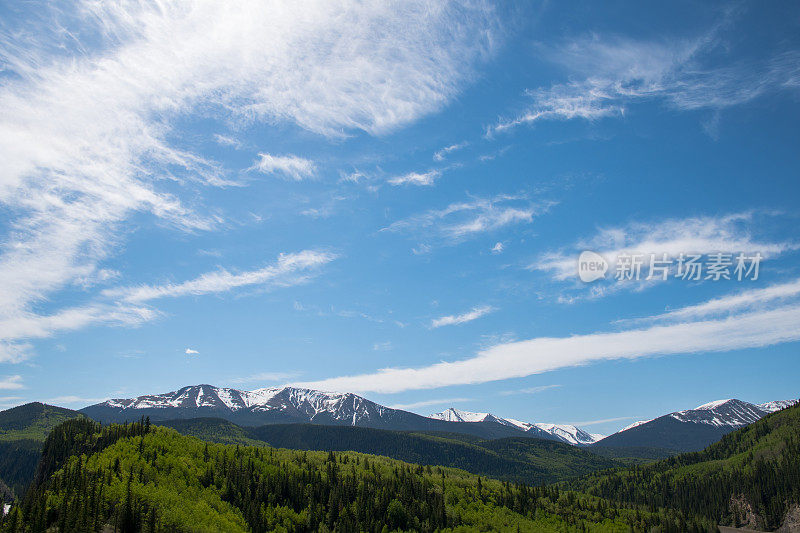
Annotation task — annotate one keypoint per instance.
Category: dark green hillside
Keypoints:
(560, 461)
(756, 467)
(214, 430)
(32, 421)
(532, 461)
(634, 454)
(23, 429)
(138, 478)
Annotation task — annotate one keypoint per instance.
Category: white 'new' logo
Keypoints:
(591, 266)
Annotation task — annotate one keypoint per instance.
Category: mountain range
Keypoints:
(747, 479)
(693, 429)
(563, 432)
(687, 430)
(285, 405)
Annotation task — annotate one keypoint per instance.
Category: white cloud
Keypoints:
(11, 383)
(290, 166)
(289, 269)
(544, 354)
(614, 73)
(700, 235)
(73, 400)
(498, 248)
(744, 300)
(87, 135)
(265, 377)
(352, 177)
(32, 326)
(416, 178)
(189, 351)
(453, 320)
(463, 220)
(427, 403)
(5, 400)
(602, 421)
(529, 390)
(444, 152)
(382, 346)
(24, 325)
(422, 249)
(126, 306)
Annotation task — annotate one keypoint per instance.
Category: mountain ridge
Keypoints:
(284, 405)
(694, 429)
(562, 432)
(685, 430)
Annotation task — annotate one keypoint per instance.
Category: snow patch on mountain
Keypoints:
(712, 405)
(721, 413)
(777, 405)
(635, 424)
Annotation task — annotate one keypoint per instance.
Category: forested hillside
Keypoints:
(520, 459)
(138, 478)
(751, 477)
(23, 429)
(135, 477)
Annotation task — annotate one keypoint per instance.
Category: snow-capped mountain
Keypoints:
(563, 432)
(732, 413)
(777, 405)
(456, 415)
(300, 403)
(281, 405)
(570, 434)
(694, 429)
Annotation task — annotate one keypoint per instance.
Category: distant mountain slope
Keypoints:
(751, 477)
(286, 405)
(692, 429)
(23, 429)
(32, 421)
(561, 432)
(521, 459)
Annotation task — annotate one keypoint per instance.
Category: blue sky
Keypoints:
(392, 200)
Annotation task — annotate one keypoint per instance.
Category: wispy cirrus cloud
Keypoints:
(732, 303)
(454, 320)
(732, 233)
(128, 306)
(93, 93)
(529, 390)
(614, 73)
(289, 269)
(289, 166)
(442, 154)
(602, 421)
(18, 329)
(752, 329)
(416, 178)
(463, 220)
(428, 403)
